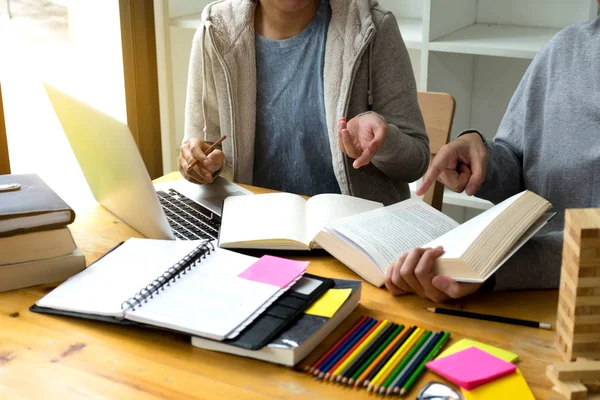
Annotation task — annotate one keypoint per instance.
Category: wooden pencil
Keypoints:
(386, 368)
(339, 353)
(384, 357)
(333, 370)
(207, 151)
(416, 357)
(419, 371)
(367, 352)
(397, 333)
(337, 344)
(369, 337)
(401, 364)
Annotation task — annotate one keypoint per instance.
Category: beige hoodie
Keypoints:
(364, 53)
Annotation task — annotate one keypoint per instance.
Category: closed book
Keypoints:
(300, 339)
(39, 272)
(33, 207)
(36, 246)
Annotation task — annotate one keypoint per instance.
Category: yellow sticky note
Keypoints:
(466, 343)
(512, 386)
(329, 303)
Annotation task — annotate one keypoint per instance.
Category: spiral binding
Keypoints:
(169, 276)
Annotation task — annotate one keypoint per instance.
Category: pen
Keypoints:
(207, 151)
(494, 318)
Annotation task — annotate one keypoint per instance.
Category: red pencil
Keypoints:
(349, 352)
(313, 369)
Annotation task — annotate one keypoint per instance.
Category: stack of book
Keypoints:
(36, 247)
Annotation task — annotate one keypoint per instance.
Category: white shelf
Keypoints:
(412, 32)
(190, 21)
(496, 40)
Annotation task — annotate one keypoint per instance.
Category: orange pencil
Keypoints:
(380, 357)
(330, 375)
(207, 151)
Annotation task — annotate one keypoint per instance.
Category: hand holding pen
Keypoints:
(198, 161)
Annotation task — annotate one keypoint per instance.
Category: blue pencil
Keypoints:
(339, 353)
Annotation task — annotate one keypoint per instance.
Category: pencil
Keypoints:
(419, 371)
(357, 345)
(367, 352)
(336, 345)
(339, 353)
(402, 364)
(494, 318)
(207, 151)
(386, 355)
(383, 373)
(416, 358)
(396, 334)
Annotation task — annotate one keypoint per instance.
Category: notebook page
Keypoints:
(384, 234)
(210, 300)
(102, 288)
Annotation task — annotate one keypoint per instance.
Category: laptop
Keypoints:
(118, 179)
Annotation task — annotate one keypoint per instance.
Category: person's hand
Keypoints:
(205, 166)
(458, 165)
(413, 273)
(361, 137)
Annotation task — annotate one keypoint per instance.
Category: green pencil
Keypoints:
(419, 371)
(374, 355)
(406, 360)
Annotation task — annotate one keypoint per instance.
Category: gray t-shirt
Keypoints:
(549, 143)
(292, 151)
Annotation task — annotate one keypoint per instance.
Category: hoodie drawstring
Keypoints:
(370, 84)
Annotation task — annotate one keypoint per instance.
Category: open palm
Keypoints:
(361, 137)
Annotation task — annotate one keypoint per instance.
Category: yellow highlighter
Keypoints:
(388, 367)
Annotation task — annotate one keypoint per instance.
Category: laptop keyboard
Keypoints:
(188, 219)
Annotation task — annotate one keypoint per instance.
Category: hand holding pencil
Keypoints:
(198, 161)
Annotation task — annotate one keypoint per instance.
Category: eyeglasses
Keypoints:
(438, 391)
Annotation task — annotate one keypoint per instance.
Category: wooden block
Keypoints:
(570, 390)
(577, 371)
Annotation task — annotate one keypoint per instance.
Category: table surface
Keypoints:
(44, 356)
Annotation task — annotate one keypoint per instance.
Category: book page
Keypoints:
(323, 209)
(263, 217)
(386, 233)
(210, 300)
(455, 243)
(118, 276)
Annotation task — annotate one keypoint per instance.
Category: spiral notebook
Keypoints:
(195, 288)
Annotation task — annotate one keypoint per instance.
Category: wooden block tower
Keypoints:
(578, 322)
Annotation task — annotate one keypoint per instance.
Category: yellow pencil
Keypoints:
(360, 348)
(387, 367)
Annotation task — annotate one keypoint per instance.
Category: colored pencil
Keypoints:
(339, 353)
(419, 371)
(494, 318)
(405, 355)
(403, 363)
(386, 355)
(357, 347)
(413, 362)
(367, 352)
(316, 364)
(207, 151)
(385, 370)
(397, 333)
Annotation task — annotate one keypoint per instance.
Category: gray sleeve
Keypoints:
(404, 156)
(535, 266)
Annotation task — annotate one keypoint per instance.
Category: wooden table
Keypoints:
(51, 357)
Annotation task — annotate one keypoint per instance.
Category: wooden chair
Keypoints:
(4, 162)
(438, 113)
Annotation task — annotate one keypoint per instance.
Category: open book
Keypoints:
(283, 221)
(186, 286)
(370, 242)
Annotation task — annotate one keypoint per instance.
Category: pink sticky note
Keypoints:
(471, 368)
(274, 271)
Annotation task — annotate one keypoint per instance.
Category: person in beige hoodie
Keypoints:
(373, 141)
